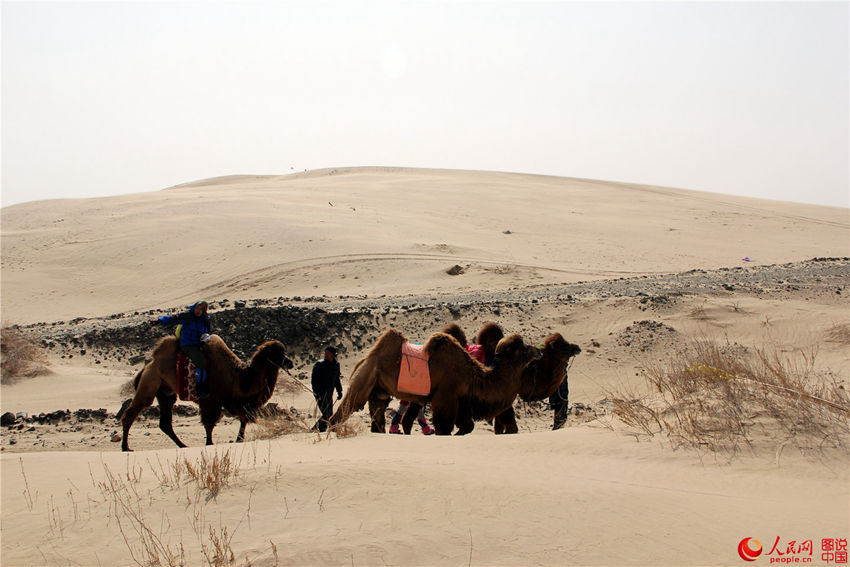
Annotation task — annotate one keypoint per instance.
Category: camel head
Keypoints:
(555, 344)
(273, 353)
(545, 373)
(512, 350)
(261, 372)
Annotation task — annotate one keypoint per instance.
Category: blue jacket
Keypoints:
(193, 327)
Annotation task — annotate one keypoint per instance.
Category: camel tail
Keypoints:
(363, 380)
(127, 402)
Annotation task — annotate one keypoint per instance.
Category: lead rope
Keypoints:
(296, 381)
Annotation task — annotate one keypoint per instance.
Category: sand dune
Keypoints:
(661, 267)
(379, 231)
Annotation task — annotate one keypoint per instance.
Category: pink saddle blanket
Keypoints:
(414, 377)
(476, 352)
(186, 378)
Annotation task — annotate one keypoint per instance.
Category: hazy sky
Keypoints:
(101, 98)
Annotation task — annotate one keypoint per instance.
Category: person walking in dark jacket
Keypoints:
(194, 330)
(560, 402)
(326, 379)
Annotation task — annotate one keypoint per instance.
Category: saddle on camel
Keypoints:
(193, 331)
(414, 375)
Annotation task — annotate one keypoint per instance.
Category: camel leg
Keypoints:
(444, 414)
(166, 399)
(142, 399)
(498, 424)
(362, 382)
(378, 411)
(412, 413)
(505, 422)
(210, 414)
(465, 423)
(241, 435)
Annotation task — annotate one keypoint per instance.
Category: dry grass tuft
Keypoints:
(723, 398)
(218, 552)
(153, 544)
(292, 385)
(839, 333)
(127, 390)
(149, 547)
(20, 356)
(504, 269)
(274, 424)
(214, 472)
(698, 313)
(350, 428)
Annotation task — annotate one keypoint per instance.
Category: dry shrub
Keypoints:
(128, 389)
(273, 423)
(20, 356)
(348, 429)
(723, 398)
(839, 333)
(153, 543)
(151, 547)
(292, 385)
(212, 472)
(698, 313)
(503, 269)
(218, 552)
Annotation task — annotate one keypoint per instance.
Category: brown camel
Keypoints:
(240, 388)
(540, 379)
(455, 376)
(488, 337)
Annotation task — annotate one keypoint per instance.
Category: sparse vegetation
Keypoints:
(504, 269)
(149, 547)
(698, 313)
(271, 425)
(19, 356)
(214, 472)
(724, 397)
(350, 428)
(839, 333)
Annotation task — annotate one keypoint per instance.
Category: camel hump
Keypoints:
(510, 339)
(490, 333)
(454, 330)
(388, 343)
(439, 341)
(511, 342)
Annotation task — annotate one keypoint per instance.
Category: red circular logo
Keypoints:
(749, 549)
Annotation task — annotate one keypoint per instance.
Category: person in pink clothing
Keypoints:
(403, 406)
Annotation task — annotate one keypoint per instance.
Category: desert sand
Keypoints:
(633, 274)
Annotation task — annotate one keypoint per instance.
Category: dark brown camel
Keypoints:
(455, 376)
(540, 379)
(240, 388)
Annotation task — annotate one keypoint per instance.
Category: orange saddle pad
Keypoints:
(414, 377)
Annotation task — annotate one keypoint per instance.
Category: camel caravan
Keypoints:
(464, 383)
(461, 388)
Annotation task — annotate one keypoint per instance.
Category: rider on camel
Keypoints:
(194, 330)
